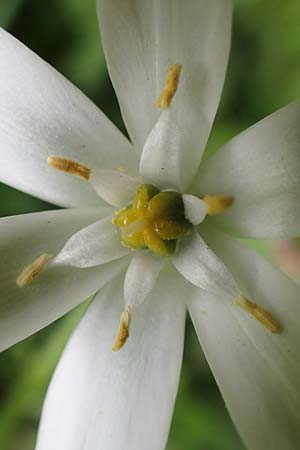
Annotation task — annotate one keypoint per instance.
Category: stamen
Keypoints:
(33, 270)
(70, 166)
(261, 314)
(165, 99)
(217, 203)
(123, 331)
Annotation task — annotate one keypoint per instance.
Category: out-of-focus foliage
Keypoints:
(263, 76)
(33, 361)
(8, 10)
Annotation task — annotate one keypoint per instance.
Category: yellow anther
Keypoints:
(261, 314)
(70, 166)
(33, 270)
(217, 203)
(123, 331)
(173, 75)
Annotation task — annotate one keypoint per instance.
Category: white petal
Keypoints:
(42, 114)
(164, 160)
(141, 277)
(24, 311)
(261, 169)
(199, 265)
(160, 159)
(195, 209)
(258, 372)
(101, 400)
(142, 39)
(116, 188)
(93, 245)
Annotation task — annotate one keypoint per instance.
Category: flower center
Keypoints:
(155, 220)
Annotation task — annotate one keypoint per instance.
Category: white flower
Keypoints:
(99, 399)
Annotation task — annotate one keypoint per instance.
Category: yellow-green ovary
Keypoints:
(155, 220)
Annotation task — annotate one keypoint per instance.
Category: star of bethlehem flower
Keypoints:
(154, 229)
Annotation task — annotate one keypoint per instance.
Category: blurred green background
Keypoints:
(263, 75)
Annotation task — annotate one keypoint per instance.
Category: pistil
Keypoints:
(155, 220)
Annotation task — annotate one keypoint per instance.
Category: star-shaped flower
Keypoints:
(162, 235)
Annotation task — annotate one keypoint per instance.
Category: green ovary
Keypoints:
(155, 220)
